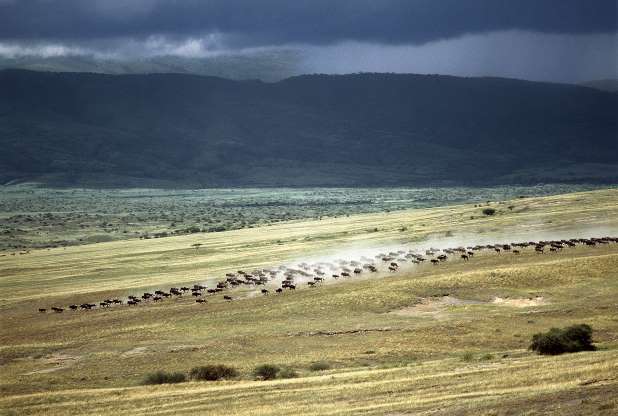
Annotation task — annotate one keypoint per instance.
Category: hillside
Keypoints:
(362, 129)
(603, 84)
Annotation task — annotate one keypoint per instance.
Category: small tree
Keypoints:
(558, 341)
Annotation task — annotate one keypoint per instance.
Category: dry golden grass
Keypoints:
(382, 362)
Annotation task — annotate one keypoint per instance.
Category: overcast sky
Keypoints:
(553, 40)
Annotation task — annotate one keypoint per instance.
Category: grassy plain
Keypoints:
(395, 343)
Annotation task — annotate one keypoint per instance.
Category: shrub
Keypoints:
(212, 372)
(489, 211)
(468, 356)
(266, 371)
(558, 341)
(319, 366)
(161, 377)
(287, 372)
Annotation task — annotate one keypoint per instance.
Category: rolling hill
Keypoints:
(359, 129)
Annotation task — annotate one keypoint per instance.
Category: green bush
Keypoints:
(558, 341)
(212, 372)
(489, 211)
(319, 366)
(266, 371)
(161, 377)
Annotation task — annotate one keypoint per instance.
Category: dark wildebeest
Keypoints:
(264, 291)
(196, 294)
(227, 297)
(392, 268)
(42, 310)
(435, 262)
(312, 284)
(465, 257)
(57, 310)
(200, 300)
(515, 251)
(73, 307)
(279, 290)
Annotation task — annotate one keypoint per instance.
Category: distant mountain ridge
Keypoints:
(267, 65)
(322, 130)
(610, 85)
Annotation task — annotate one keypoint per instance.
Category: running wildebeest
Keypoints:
(42, 310)
(227, 297)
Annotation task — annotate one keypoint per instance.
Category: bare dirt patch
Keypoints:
(520, 302)
(134, 351)
(58, 360)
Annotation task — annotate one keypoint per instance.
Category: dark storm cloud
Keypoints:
(275, 22)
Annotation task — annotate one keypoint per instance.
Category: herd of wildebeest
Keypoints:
(288, 278)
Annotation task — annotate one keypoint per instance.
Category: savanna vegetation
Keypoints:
(36, 217)
(452, 338)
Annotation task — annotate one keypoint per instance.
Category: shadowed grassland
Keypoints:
(393, 344)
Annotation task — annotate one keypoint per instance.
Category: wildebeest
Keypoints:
(279, 290)
(434, 261)
(465, 257)
(56, 309)
(73, 307)
(200, 300)
(42, 310)
(264, 291)
(227, 297)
